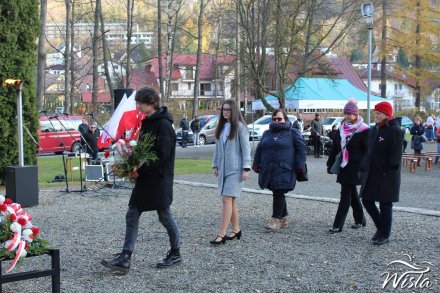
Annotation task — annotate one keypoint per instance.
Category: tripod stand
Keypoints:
(83, 188)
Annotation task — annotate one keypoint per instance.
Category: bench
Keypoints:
(413, 159)
(54, 272)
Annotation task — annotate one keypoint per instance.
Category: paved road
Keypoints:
(419, 190)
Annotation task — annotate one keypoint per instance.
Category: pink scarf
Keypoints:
(347, 129)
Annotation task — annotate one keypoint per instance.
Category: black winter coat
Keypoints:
(278, 154)
(356, 148)
(380, 170)
(153, 189)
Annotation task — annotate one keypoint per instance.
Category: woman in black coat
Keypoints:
(280, 156)
(417, 130)
(380, 171)
(153, 188)
(352, 141)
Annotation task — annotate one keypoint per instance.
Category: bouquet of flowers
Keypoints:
(18, 237)
(132, 155)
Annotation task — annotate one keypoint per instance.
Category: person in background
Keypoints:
(417, 130)
(404, 141)
(195, 128)
(280, 155)
(430, 129)
(91, 142)
(299, 123)
(351, 140)
(438, 145)
(95, 130)
(380, 171)
(184, 124)
(84, 126)
(317, 131)
(333, 133)
(153, 189)
(231, 165)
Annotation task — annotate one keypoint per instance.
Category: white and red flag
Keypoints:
(124, 123)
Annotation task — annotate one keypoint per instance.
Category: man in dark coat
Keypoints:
(195, 128)
(91, 142)
(184, 124)
(154, 185)
(316, 132)
(380, 171)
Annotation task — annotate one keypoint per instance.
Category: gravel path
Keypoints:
(300, 258)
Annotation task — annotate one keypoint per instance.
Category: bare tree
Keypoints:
(41, 63)
(159, 49)
(95, 46)
(199, 57)
(299, 33)
(130, 8)
(67, 57)
(106, 56)
(383, 62)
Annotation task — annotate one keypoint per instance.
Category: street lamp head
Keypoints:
(11, 82)
(367, 10)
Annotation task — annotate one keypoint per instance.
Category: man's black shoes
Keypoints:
(173, 257)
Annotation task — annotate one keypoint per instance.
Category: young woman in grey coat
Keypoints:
(231, 165)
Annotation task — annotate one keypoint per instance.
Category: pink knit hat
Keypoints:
(351, 108)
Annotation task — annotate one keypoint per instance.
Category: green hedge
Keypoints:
(19, 29)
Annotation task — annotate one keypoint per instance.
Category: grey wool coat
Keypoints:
(230, 159)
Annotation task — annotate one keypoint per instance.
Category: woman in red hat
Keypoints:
(380, 171)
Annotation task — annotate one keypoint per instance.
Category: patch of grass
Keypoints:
(49, 167)
(192, 166)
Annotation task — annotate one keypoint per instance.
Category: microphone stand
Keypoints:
(114, 185)
(80, 161)
(62, 154)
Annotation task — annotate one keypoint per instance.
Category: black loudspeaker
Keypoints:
(22, 185)
(119, 94)
(94, 173)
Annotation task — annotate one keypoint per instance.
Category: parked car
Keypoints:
(328, 123)
(207, 133)
(260, 125)
(59, 135)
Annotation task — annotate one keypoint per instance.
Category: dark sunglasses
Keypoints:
(277, 119)
(227, 110)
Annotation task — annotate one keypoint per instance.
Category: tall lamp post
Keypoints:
(367, 10)
(18, 84)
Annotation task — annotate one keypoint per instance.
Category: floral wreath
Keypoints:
(18, 237)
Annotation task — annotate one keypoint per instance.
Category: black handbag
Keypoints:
(336, 167)
(301, 177)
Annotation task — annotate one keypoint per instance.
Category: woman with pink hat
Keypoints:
(351, 143)
(380, 171)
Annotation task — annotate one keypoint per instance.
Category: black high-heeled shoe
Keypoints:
(222, 240)
(236, 235)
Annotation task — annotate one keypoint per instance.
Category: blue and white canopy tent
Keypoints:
(320, 93)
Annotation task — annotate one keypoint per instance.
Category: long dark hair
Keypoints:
(234, 119)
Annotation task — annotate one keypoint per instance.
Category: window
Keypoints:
(205, 87)
(189, 86)
(380, 86)
(175, 87)
(400, 86)
(395, 86)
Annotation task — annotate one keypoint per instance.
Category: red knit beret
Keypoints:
(385, 108)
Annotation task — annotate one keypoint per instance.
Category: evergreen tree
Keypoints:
(417, 35)
(19, 29)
